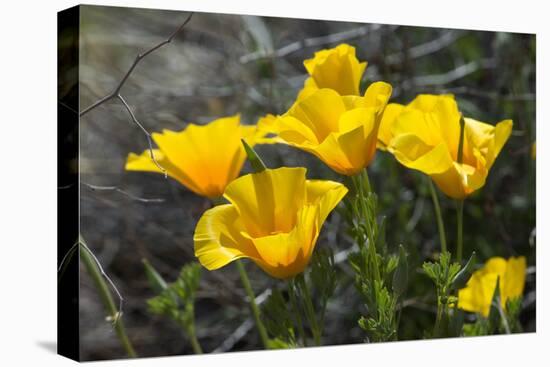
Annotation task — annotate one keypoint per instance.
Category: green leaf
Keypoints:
(280, 344)
(177, 300)
(155, 279)
(253, 157)
(460, 280)
(278, 319)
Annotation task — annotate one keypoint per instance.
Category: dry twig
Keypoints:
(116, 92)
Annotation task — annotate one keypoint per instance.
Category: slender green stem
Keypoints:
(309, 309)
(439, 217)
(505, 323)
(370, 220)
(193, 339)
(107, 298)
(253, 306)
(459, 225)
(438, 318)
(294, 303)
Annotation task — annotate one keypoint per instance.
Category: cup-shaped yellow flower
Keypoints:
(478, 293)
(425, 135)
(274, 218)
(203, 158)
(340, 130)
(337, 68)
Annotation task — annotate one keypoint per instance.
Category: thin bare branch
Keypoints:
(119, 190)
(138, 58)
(147, 134)
(116, 92)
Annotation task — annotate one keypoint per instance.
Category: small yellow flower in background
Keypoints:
(425, 134)
(337, 68)
(203, 158)
(274, 218)
(534, 150)
(340, 130)
(478, 294)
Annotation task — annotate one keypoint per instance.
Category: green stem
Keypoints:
(309, 309)
(253, 306)
(297, 313)
(439, 217)
(193, 339)
(107, 298)
(368, 217)
(503, 318)
(459, 220)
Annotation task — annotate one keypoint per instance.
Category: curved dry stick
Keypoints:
(116, 92)
(138, 58)
(119, 190)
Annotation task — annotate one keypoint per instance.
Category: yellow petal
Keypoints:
(514, 279)
(330, 152)
(211, 155)
(281, 249)
(502, 133)
(427, 102)
(445, 118)
(143, 162)
(218, 240)
(496, 265)
(268, 201)
(320, 112)
(414, 153)
(460, 180)
(292, 130)
(377, 95)
(309, 88)
(359, 145)
(325, 194)
(337, 69)
(284, 255)
(356, 117)
(416, 122)
(478, 294)
(391, 112)
(267, 126)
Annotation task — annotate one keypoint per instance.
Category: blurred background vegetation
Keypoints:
(227, 64)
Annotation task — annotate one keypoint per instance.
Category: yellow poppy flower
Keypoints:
(274, 218)
(425, 134)
(478, 293)
(340, 130)
(337, 68)
(203, 158)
